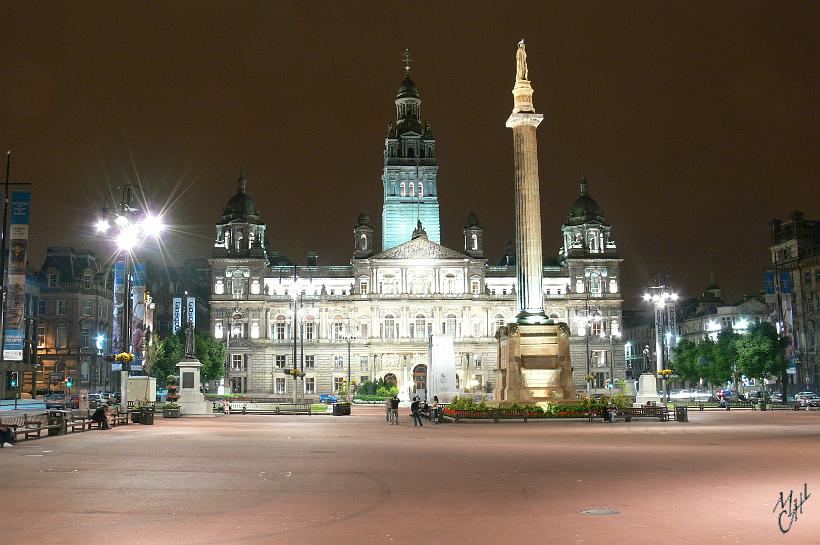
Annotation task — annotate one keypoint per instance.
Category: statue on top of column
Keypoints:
(521, 62)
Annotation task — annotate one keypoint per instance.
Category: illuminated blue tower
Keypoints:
(410, 169)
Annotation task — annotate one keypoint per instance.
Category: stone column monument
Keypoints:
(534, 357)
(191, 399)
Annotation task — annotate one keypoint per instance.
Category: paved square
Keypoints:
(321, 479)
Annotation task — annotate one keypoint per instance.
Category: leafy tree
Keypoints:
(170, 350)
(690, 361)
(761, 353)
(723, 358)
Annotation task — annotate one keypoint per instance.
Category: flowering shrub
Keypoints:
(124, 357)
(173, 390)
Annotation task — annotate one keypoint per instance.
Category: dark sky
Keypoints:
(694, 122)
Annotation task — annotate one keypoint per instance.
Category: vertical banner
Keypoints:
(768, 286)
(176, 323)
(788, 332)
(191, 311)
(138, 311)
(14, 326)
(659, 337)
(119, 307)
(672, 320)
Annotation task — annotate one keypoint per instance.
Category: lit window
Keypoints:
(52, 280)
(219, 287)
(255, 287)
(255, 330)
(41, 336)
(218, 331)
(412, 189)
(237, 362)
(279, 328)
(403, 190)
(421, 189)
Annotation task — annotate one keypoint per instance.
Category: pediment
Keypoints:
(420, 248)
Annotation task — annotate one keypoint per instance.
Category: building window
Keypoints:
(363, 285)
(41, 336)
(279, 328)
(60, 306)
(88, 309)
(597, 358)
(475, 287)
(338, 328)
(310, 385)
(255, 330)
(42, 307)
(255, 289)
(403, 190)
(237, 362)
(600, 379)
(389, 327)
(450, 325)
(52, 280)
(281, 362)
(421, 189)
(85, 338)
(477, 361)
(597, 328)
(450, 284)
(338, 361)
(280, 385)
(87, 281)
(310, 362)
(337, 384)
(499, 322)
(62, 336)
(309, 328)
(595, 284)
(363, 330)
(219, 287)
(363, 363)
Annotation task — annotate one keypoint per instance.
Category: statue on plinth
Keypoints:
(190, 342)
(521, 73)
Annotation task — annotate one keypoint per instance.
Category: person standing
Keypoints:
(414, 410)
(394, 410)
(387, 409)
(434, 410)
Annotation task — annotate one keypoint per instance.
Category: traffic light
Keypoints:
(13, 380)
(69, 382)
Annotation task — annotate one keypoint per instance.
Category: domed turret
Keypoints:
(408, 89)
(363, 237)
(241, 207)
(473, 237)
(585, 209)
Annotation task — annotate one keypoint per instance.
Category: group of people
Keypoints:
(391, 408)
(609, 413)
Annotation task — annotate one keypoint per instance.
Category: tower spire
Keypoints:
(406, 58)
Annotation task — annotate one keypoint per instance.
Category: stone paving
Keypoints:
(322, 479)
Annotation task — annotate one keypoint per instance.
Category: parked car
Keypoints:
(328, 398)
(777, 397)
(809, 401)
(95, 400)
(757, 397)
(117, 397)
(55, 401)
(799, 395)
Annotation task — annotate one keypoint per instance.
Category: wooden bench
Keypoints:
(29, 426)
(661, 413)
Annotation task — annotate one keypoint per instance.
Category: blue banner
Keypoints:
(14, 327)
(785, 282)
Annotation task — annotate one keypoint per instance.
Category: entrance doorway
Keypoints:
(390, 380)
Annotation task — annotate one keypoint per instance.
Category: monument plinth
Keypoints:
(534, 364)
(534, 357)
(191, 399)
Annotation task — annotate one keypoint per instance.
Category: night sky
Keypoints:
(694, 122)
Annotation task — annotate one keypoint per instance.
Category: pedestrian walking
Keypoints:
(226, 406)
(414, 411)
(434, 410)
(394, 410)
(387, 409)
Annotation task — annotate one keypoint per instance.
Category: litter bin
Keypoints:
(59, 419)
(147, 416)
(682, 414)
(762, 404)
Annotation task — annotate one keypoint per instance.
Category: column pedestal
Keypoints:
(191, 400)
(534, 364)
(647, 390)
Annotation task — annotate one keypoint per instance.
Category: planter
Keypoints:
(172, 412)
(135, 416)
(341, 409)
(147, 417)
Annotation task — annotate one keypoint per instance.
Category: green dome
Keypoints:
(585, 209)
(241, 206)
(408, 89)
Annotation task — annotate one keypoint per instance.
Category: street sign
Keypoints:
(57, 376)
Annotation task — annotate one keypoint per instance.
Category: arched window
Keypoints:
(338, 328)
(579, 286)
(421, 189)
(613, 286)
(389, 327)
(420, 326)
(554, 316)
(475, 241)
(592, 241)
(403, 190)
(279, 328)
(451, 325)
(218, 332)
(595, 284)
(363, 242)
(309, 328)
(412, 189)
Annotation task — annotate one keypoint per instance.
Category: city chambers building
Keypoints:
(372, 318)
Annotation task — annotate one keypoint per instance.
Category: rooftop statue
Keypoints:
(521, 62)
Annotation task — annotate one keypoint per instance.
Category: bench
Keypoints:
(28, 426)
(427, 411)
(661, 413)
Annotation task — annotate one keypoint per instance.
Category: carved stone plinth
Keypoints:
(534, 364)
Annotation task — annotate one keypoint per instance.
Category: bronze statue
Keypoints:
(521, 62)
(190, 342)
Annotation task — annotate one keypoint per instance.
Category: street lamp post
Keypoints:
(588, 320)
(663, 299)
(127, 206)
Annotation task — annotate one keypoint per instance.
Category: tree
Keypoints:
(761, 352)
(211, 353)
(722, 358)
(169, 352)
(689, 361)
